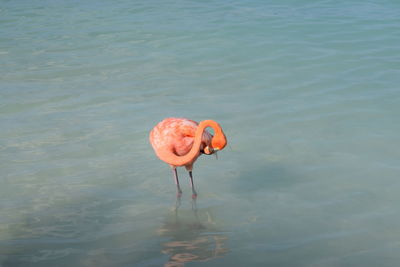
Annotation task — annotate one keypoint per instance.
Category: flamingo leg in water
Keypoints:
(178, 188)
(194, 193)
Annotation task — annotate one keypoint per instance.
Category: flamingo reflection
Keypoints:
(193, 235)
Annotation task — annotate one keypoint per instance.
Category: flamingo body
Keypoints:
(177, 135)
(180, 141)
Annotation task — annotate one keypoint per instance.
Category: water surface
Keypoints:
(307, 93)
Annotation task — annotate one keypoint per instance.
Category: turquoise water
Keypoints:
(307, 93)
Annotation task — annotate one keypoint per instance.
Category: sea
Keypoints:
(306, 91)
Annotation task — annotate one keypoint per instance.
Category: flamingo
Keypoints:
(179, 142)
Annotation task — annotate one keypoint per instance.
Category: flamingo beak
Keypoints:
(208, 150)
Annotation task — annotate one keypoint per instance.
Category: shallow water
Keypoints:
(307, 93)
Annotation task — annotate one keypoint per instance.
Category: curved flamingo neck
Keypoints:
(171, 158)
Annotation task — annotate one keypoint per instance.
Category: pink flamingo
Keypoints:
(179, 142)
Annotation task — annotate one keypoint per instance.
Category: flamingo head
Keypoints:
(218, 142)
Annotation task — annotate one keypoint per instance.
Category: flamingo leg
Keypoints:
(178, 188)
(194, 193)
